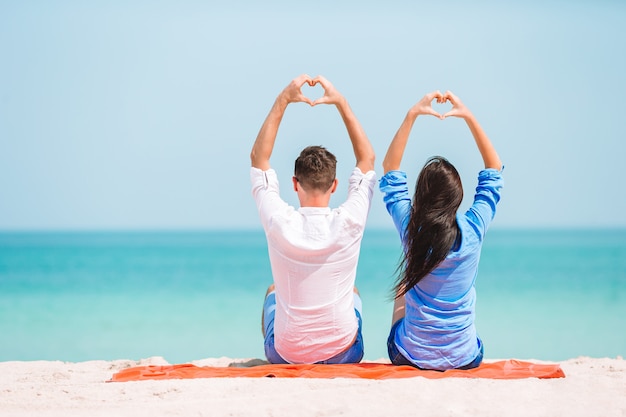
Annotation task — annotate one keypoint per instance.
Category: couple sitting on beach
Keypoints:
(312, 312)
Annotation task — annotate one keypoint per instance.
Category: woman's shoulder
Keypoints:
(393, 178)
(471, 238)
(491, 176)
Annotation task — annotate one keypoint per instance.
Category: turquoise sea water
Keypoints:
(547, 295)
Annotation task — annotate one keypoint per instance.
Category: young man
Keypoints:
(312, 312)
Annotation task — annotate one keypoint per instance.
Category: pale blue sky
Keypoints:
(141, 114)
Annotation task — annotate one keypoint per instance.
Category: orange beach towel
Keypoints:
(508, 369)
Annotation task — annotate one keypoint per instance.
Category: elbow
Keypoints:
(389, 165)
(386, 167)
(258, 160)
(254, 157)
(367, 163)
(495, 164)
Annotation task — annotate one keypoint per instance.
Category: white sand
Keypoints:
(592, 387)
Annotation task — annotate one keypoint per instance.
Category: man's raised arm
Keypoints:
(264, 143)
(363, 150)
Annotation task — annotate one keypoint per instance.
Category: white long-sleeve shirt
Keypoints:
(313, 253)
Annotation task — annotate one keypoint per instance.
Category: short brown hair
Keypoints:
(315, 168)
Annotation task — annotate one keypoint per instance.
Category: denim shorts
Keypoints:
(352, 355)
(398, 358)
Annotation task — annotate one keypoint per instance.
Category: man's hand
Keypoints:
(264, 144)
(487, 151)
(293, 92)
(363, 151)
(331, 95)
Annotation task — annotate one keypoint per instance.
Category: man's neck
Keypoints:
(313, 198)
(315, 201)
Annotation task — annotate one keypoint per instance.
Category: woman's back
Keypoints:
(433, 320)
(438, 329)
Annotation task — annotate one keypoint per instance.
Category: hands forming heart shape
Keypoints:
(293, 92)
(424, 106)
(314, 92)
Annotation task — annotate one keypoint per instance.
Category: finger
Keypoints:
(303, 79)
(450, 97)
(451, 113)
(313, 81)
(430, 96)
(305, 99)
(440, 97)
(320, 79)
(436, 114)
(326, 85)
(321, 100)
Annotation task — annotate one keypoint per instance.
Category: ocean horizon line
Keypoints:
(177, 230)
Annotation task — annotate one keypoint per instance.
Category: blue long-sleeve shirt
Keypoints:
(438, 330)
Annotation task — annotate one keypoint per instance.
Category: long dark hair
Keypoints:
(432, 231)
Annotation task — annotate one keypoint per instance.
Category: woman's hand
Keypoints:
(424, 106)
(458, 108)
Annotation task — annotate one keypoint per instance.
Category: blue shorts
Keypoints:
(353, 355)
(398, 358)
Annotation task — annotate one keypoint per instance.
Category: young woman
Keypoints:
(433, 319)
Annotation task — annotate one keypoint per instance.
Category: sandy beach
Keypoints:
(592, 387)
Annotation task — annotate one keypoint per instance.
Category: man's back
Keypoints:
(312, 311)
(314, 254)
